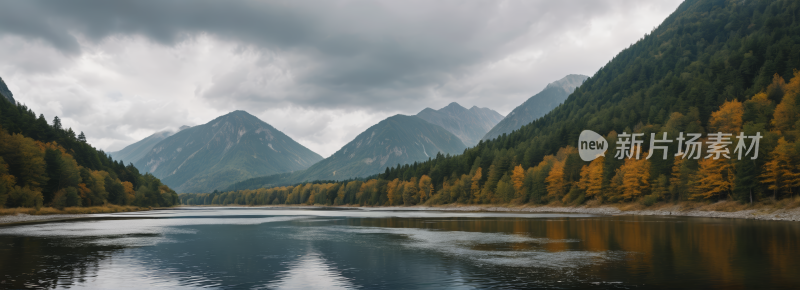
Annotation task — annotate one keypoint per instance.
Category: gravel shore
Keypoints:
(777, 215)
(26, 218)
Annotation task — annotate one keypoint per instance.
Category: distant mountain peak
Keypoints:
(468, 125)
(569, 83)
(184, 127)
(399, 139)
(454, 105)
(230, 148)
(537, 106)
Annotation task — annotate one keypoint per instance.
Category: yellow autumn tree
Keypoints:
(715, 179)
(728, 119)
(475, 189)
(392, 193)
(635, 177)
(425, 188)
(592, 177)
(517, 180)
(781, 173)
(555, 180)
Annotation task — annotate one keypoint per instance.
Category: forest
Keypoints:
(711, 66)
(45, 164)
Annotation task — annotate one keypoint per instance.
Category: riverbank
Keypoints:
(10, 216)
(787, 211)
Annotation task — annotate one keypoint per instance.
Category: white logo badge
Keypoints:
(591, 145)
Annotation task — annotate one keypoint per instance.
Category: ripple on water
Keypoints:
(486, 248)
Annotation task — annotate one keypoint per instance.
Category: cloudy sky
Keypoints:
(320, 71)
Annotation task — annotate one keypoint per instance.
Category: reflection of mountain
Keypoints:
(238, 248)
(311, 271)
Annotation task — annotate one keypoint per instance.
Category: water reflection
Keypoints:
(311, 271)
(295, 249)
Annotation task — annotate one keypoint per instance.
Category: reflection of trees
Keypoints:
(31, 262)
(680, 252)
(705, 252)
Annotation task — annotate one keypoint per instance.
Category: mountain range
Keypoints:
(537, 106)
(230, 148)
(468, 125)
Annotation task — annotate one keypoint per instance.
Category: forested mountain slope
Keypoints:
(230, 148)
(46, 164)
(711, 66)
(537, 106)
(468, 125)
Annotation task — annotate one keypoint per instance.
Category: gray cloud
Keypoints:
(378, 56)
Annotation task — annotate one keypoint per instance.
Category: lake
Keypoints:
(284, 248)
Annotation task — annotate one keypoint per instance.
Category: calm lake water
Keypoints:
(264, 248)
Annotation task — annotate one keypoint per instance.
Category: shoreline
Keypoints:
(22, 218)
(722, 209)
(671, 210)
(758, 212)
(17, 216)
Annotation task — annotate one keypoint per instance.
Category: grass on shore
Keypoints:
(71, 210)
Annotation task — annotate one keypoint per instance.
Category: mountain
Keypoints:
(468, 125)
(132, 153)
(399, 139)
(537, 106)
(5, 92)
(230, 148)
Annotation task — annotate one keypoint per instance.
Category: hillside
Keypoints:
(230, 148)
(45, 164)
(5, 92)
(396, 140)
(468, 125)
(537, 106)
(134, 152)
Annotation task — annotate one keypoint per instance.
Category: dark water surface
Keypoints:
(262, 248)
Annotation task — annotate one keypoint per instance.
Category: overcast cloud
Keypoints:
(320, 71)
